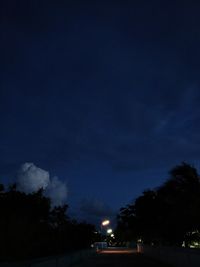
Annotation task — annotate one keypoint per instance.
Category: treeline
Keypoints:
(168, 215)
(30, 228)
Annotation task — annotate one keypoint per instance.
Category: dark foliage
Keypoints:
(167, 214)
(30, 228)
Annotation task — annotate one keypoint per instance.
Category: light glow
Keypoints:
(109, 231)
(106, 222)
(118, 251)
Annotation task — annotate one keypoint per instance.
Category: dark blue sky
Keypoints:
(103, 94)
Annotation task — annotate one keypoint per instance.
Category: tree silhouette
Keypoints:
(166, 214)
(30, 228)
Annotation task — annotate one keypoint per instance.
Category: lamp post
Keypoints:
(103, 223)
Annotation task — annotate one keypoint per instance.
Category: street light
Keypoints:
(109, 231)
(106, 222)
(103, 223)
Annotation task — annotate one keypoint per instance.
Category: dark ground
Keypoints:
(120, 258)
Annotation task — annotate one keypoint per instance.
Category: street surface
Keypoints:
(120, 258)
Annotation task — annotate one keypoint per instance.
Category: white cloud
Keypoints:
(31, 178)
(57, 191)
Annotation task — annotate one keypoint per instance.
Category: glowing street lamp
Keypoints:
(103, 223)
(106, 222)
(109, 231)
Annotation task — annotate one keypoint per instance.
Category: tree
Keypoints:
(126, 226)
(166, 214)
(30, 228)
(180, 199)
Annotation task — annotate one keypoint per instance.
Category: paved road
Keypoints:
(120, 258)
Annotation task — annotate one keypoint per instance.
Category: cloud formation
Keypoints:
(31, 178)
(57, 191)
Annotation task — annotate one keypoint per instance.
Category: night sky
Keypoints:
(103, 94)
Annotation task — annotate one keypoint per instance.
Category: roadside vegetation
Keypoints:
(167, 215)
(30, 228)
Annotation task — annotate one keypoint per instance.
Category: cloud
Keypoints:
(31, 178)
(57, 191)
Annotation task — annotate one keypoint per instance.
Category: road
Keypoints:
(120, 258)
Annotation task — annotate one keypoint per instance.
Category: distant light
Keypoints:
(109, 231)
(112, 235)
(106, 222)
(118, 251)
